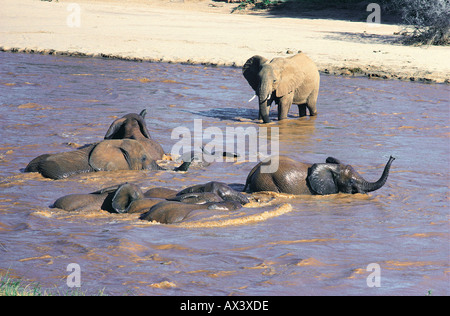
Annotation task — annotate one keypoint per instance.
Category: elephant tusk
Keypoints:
(252, 98)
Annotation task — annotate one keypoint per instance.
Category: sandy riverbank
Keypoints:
(204, 31)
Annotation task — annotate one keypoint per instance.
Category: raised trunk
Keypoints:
(372, 186)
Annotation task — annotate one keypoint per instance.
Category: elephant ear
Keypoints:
(124, 196)
(117, 128)
(333, 160)
(320, 179)
(291, 77)
(251, 69)
(142, 125)
(110, 155)
(143, 113)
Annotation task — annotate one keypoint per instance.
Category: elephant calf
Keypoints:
(293, 177)
(286, 81)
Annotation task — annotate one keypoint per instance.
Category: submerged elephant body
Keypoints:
(293, 177)
(123, 198)
(127, 146)
(219, 188)
(287, 81)
(210, 196)
(133, 126)
(108, 155)
(158, 204)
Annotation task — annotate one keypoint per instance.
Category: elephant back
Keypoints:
(115, 154)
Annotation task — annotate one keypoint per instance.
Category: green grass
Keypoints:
(16, 287)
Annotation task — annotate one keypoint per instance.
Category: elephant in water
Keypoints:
(134, 151)
(286, 81)
(158, 204)
(123, 198)
(210, 196)
(221, 189)
(204, 158)
(132, 126)
(297, 178)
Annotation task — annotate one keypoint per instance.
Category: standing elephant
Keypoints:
(297, 178)
(286, 81)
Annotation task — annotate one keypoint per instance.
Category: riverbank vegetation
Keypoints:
(423, 22)
(16, 287)
(10, 286)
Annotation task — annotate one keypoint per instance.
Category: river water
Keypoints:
(283, 246)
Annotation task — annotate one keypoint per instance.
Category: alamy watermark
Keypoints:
(74, 17)
(374, 278)
(374, 18)
(249, 144)
(74, 278)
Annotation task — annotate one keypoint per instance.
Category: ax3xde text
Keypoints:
(227, 306)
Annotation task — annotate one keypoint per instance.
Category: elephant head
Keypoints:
(261, 77)
(220, 189)
(334, 177)
(120, 154)
(132, 126)
(124, 154)
(124, 197)
(283, 80)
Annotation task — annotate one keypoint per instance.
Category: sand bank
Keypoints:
(204, 32)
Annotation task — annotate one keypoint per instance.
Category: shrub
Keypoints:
(426, 21)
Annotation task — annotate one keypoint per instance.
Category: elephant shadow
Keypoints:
(236, 114)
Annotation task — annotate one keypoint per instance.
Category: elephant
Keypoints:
(221, 189)
(157, 204)
(286, 81)
(126, 146)
(297, 178)
(210, 196)
(132, 126)
(170, 212)
(107, 155)
(203, 158)
(122, 198)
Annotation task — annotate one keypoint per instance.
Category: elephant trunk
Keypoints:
(264, 94)
(372, 186)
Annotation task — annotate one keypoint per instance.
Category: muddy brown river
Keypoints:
(394, 241)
